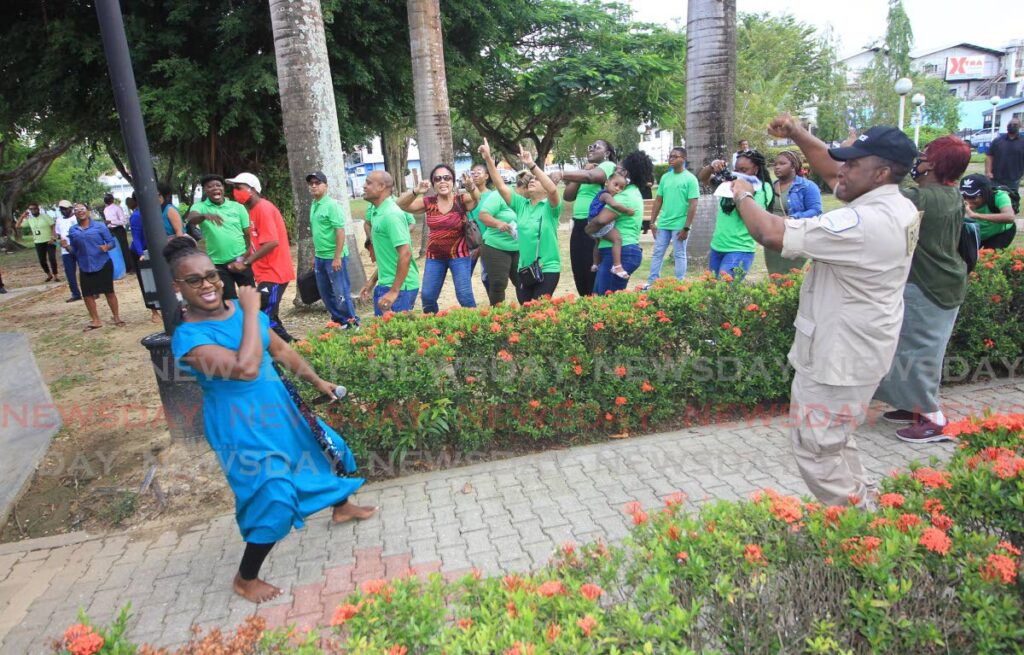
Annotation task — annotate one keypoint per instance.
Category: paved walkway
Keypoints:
(498, 517)
(28, 418)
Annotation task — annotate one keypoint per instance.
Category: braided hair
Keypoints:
(759, 160)
(179, 249)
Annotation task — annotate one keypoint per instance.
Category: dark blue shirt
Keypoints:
(138, 236)
(85, 245)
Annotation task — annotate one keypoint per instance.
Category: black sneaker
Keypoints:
(901, 416)
(923, 432)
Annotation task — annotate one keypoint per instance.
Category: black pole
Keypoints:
(133, 130)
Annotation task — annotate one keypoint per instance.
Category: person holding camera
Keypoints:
(851, 302)
(447, 248)
(732, 247)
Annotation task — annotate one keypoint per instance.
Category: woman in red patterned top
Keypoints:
(446, 241)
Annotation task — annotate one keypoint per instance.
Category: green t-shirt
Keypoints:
(628, 226)
(371, 211)
(42, 228)
(325, 216)
(731, 234)
(495, 205)
(390, 229)
(676, 191)
(224, 243)
(474, 214)
(538, 221)
(937, 268)
(988, 229)
(587, 192)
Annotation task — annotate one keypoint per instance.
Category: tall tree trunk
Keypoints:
(710, 102)
(395, 143)
(430, 90)
(310, 120)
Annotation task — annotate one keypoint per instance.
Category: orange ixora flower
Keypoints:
(578, 370)
(754, 555)
(891, 500)
(344, 613)
(519, 649)
(833, 513)
(999, 568)
(675, 499)
(535, 404)
(935, 540)
(591, 591)
(931, 478)
(504, 355)
(87, 644)
(587, 625)
(752, 307)
(398, 650)
(738, 332)
(620, 400)
(682, 557)
(551, 588)
(598, 326)
(907, 521)
(646, 387)
(1009, 548)
(374, 587)
(465, 623)
(552, 633)
(620, 371)
(640, 518)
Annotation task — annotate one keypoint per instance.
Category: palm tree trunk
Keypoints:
(710, 102)
(310, 119)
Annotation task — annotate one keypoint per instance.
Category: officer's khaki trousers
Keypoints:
(822, 421)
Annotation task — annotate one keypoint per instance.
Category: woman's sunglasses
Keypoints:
(442, 178)
(196, 281)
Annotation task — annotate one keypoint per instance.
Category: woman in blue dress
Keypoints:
(281, 462)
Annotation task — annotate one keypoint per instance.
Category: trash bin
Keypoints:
(179, 392)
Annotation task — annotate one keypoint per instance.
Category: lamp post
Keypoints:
(918, 101)
(903, 87)
(995, 101)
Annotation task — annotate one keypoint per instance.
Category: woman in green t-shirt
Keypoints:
(991, 209)
(732, 247)
(581, 187)
(933, 294)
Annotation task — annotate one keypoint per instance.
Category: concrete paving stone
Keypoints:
(368, 538)
(441, 497)
(395, 543)
(521, 511)
(561, 534)
(449, 534)
(531, 532)
(25, 641)
(417, 510)
(540, 553)
(423, 550)
(307, 572)
(177, 627)
(453, 557)
(478, 542)
(500, 526)
(446, 514)
(551, 518)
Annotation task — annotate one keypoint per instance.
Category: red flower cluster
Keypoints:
(891, 500)
(753, 554)
(931, 478)
(999, 568)
(80, 639)
(862, 550)
(935, 540)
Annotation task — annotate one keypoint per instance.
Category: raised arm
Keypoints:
(410, 201)
(492, 171)
(241, 364)
(784, 127)
(585, 176)
(471, 196)
(542, 177)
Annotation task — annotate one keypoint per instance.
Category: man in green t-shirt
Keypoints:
(225, 227)
(675, 207)
(330, 252)
(396, 282)
(43, 238)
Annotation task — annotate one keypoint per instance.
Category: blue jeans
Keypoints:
(662, 239)
(434, 273)
(729, 262)
(405, 301)
(71, 273)
(605, 281)
(483, 273)
(335, 290)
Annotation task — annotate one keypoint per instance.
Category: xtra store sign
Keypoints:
(964, 68)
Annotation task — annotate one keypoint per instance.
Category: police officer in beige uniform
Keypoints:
(851, 301)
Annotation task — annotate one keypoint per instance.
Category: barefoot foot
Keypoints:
(351, 511)
(255, 590)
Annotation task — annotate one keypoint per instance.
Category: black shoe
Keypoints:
(73, 299)
(3, 289)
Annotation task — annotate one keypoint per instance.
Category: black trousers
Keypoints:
(501, 266)
(121, 235)
(271, 294)
(581, 256)
(1001, 240)
(545, 288)
(47, 254)
(232, 280)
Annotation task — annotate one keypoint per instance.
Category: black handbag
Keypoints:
(532, 275)
(309, 293)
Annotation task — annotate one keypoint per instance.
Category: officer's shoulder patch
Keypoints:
(840, 220)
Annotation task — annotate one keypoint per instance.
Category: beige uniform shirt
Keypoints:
(851, 301)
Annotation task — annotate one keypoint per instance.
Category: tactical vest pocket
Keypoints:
(803, 341)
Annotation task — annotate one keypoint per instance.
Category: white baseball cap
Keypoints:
(247, 179)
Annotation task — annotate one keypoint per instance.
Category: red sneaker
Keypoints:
(923, 431)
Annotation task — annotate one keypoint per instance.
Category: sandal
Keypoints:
(593, 268)
(621, 272)
(120, 323)
(91, 327)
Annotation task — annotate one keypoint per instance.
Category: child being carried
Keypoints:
(606, 230)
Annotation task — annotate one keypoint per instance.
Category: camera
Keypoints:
(723, 176)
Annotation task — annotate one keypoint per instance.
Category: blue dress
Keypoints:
(272, 461)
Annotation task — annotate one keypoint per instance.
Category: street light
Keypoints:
(995, 100)
(918, 101)
(903, 87)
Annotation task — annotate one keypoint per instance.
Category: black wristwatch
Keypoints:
(686, 228)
